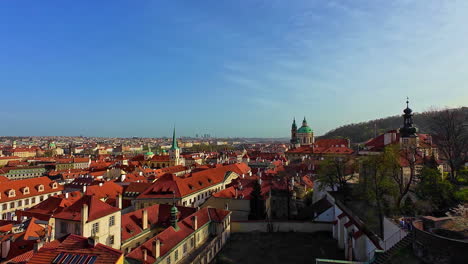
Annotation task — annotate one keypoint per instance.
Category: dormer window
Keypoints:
(26, 190)
(54, 185)
(11, 193)
(40, 188)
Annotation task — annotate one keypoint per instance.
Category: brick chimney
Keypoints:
(145, 254)
(157, 248)
(144, 219)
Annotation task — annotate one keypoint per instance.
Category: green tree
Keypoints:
(257, 205)
(336, 172)
(435, 190)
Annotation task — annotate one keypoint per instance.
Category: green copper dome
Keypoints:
(304, 129)
(174, 210)
(149, 153)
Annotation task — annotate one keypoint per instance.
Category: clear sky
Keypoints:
(228, 68)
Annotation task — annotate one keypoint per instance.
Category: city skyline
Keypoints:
(230, 69)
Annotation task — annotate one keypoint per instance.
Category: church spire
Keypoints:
(174, 141)
(294, 126)
(408, 130)
(304, 122)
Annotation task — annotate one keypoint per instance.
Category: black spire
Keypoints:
(408, 130)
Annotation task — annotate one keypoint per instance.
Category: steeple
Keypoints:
(408, 130)
(294, 126)
(174, 141)
(304, 122)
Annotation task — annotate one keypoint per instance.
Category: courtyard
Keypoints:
(287, 247)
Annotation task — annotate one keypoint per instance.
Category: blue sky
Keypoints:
(228, 68)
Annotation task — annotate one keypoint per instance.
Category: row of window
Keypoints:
(26, 202)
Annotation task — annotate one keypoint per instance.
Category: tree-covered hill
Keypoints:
(361, 132)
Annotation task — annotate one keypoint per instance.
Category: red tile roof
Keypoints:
(96, 209)
(50, 206)
(170, 237)
(32, 184)
(158, 214)
(77, 245)
(108, 189)
(168, 184)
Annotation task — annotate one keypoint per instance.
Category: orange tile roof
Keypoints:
(96, 209)
(168, 184)
(108, 189)
(32, 183)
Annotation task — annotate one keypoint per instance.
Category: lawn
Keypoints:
(269, 248)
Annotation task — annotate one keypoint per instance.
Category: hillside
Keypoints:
(361, 132)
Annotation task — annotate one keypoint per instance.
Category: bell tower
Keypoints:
(408, 132)
(174, 151)
(294, 140)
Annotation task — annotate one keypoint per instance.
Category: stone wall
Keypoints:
(432, 248)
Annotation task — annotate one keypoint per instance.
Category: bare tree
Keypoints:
(450, 131)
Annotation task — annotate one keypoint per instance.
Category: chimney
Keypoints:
(122, 177)
(144, 219)
(145, 254)
(84, 188)
(100, 184)
(195, 222)
(66, 195)
(141, 173)
(39, 243)
(157, 248)
(92, 241)
(119, 201)
(84, 213)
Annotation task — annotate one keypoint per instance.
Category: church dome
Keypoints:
(149, 153)
(304, 129)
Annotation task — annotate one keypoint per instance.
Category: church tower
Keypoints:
(174, 152)
(408, 132)
(294, 141)
(305, 135)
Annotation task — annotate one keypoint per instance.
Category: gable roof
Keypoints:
(96, 209)
(170, 237)
(168, 184)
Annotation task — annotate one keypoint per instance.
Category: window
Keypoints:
(191, 242)
(168, 260)
(111, 220)
(5, 206)
(111, 240)
(95, 229)
(12, 205)
(26, 202)
(185, 248)
(33, 200)
(41, 198)
(20, 203)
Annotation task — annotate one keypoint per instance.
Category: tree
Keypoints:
(395, 156)
(450, 129)
(336, 172)
(376, 182)
(257, 206)
(435, 190)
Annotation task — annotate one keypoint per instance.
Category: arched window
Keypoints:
(11, 193)
(26, 190)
